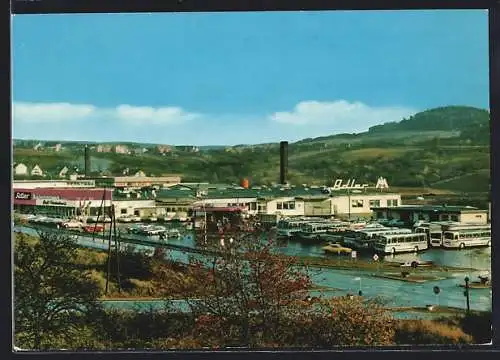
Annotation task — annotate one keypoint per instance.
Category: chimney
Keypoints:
(87, 161)
(283, 162)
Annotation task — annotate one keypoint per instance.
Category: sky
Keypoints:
(240, 78)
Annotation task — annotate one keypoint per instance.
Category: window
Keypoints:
(285, 206)
(291, 205)
(123, 211)
(393, 202)
(279, 206)
(454, 217)
(374, 203)
(357, 203)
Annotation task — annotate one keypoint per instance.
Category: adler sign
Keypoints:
(350, 184)
(21, 195)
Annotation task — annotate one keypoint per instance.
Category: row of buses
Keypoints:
(386, 240)
(456, 235)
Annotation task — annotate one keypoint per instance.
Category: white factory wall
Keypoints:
(127, 207)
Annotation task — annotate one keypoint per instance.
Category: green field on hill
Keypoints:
(444, 149)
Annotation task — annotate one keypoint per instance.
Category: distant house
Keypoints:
(104, 148)
(57, 147)
(38, 147)
(121, 149)
(63, 172)
(36, 171)
(140, 151)
(163, 149)
(140, 173)
(20, 170)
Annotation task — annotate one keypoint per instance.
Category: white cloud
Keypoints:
(341, 113)
(23, 112)
(50, 112)
(163, 115)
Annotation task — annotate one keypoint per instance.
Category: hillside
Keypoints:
(451, 118)
(447, 147)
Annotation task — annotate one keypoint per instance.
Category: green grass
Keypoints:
(477, 182)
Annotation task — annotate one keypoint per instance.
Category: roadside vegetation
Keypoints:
(257, 301)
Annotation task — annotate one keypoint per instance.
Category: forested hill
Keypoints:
(446, 147)
(450, 118)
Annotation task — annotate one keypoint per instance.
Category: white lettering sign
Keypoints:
(382, 183)
(354, 254)
(46, 197)
(22, 195)
(350, 184)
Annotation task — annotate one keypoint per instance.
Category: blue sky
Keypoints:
(232, 78)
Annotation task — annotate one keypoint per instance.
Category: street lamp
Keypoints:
(466, 293)
(360, 292)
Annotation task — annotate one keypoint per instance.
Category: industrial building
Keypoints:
(62, 202)
(410, 214)
(137, 182)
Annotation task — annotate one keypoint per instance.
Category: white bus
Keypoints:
(434, 231)
(364, 239)
(318, 231)
(400, 243)
(287, 228)
(462, 236)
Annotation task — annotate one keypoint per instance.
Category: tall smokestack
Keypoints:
(87, 161)
(283, 161)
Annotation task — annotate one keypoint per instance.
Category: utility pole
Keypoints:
(466, 293)
(117, 248)
(108, 271)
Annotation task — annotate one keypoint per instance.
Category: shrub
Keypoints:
(425, 332)
(478, 325)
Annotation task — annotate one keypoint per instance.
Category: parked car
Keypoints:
(396, 222)
(124, 219)
(72, 224)
(335, 248)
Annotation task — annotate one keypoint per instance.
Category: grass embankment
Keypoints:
(141, 277)
(347, 263)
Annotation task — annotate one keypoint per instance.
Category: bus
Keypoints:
(318, 231)
(462, 236)
(434, 231)
(400, 243)
(287, 228)
(364, 239)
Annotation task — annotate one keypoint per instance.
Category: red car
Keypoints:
(93, 228)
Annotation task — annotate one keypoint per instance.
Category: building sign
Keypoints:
(382, 183)
(54, 202)
(47, 197)
(21, 195)
(349, 184)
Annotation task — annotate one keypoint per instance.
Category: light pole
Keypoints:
(360, 292)
(466, 293)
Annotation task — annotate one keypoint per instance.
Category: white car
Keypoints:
(124, 219)
(135, 218)
(72, 224)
